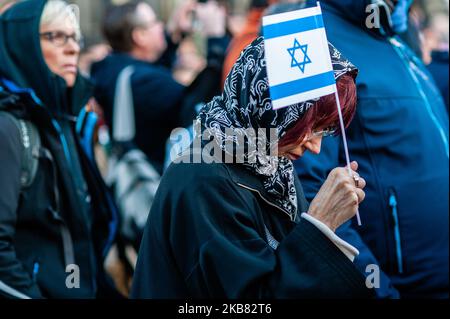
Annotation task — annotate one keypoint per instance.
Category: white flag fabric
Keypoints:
(298, 60)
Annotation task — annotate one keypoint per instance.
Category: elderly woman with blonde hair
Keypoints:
(52, 196)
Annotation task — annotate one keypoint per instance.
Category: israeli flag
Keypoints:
(299, 65)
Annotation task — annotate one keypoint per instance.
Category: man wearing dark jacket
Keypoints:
(400, 139)
(57, 221)
(160, 103)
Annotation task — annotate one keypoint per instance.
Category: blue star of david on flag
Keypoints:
(296, 63)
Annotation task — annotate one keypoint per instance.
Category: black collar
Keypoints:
(245, 179)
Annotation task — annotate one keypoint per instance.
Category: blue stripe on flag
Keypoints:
(301, 86)
(294, 26)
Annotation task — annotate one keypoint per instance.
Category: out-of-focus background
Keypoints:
(431, 17)
(432, 13)
(92, 11)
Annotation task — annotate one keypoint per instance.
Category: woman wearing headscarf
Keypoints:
(56, 221)
(242, 228)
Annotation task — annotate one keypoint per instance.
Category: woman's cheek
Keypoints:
(50, 57)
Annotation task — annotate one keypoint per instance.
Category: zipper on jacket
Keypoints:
(399, 49)
(292, 218)
(36, 267)
(64, 143)
(398, 244)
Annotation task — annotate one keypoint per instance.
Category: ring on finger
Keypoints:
(356, 179)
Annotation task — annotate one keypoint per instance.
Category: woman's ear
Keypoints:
(137, 37)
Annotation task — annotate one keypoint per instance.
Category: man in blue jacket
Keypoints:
(400, 139)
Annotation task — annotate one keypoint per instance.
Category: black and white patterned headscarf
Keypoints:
(246, 103)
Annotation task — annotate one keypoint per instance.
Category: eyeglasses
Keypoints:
(60, 38)
(331, 131)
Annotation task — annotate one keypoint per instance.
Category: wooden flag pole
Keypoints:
(344, 138)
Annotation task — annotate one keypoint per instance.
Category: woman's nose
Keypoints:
(72, 47)
(314, 145)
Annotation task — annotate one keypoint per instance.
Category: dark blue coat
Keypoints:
(439, 69)
(400, 139)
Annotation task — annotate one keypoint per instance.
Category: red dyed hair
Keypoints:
(324, 113)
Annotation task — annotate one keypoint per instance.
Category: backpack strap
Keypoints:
(31, 152)
(124, 126)
(31, 142)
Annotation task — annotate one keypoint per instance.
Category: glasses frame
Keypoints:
(328, 132)
(52, 36)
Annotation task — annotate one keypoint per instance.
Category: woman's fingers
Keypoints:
(362, 183)
(358, 181)
(354, 166)
(339, 197)
(361, 195)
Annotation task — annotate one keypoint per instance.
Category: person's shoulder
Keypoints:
(187, 173)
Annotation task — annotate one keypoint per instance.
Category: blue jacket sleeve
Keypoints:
(313, 171)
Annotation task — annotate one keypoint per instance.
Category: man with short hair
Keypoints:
(161, 104)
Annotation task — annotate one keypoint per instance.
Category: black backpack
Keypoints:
(32, 151)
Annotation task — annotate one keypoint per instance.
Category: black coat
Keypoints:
(208, 237)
